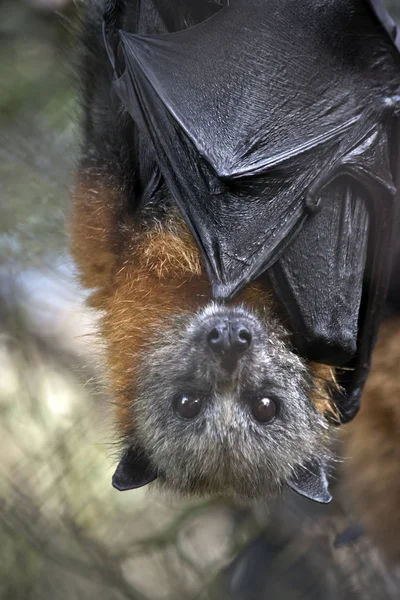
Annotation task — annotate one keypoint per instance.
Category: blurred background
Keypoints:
(65, 533)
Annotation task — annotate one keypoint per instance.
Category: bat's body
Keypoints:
(234, 216)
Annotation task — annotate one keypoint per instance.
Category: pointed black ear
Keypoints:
(311, 481)
(134, 470)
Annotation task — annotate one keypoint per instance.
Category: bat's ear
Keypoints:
(134, 470)
(311, 482)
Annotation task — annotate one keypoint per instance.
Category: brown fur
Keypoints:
(372, 445)
(92, 223)
(140, 277)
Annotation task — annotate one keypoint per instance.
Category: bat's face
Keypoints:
(224, 406)
(211, 398)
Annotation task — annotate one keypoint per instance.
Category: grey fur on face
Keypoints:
(224, 449)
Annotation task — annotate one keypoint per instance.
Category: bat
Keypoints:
(234, 216)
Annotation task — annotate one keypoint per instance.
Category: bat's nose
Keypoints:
(229, 338)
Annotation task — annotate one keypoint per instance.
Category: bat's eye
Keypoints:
(188, 407)
(264, 410)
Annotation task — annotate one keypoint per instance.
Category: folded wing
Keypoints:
(274, 124)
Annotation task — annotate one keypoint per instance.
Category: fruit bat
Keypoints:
(268, 132)
(275, 125)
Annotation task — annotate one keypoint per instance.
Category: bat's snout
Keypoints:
(228, 337)
(224, 339)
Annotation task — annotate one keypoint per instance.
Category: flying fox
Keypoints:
(234, 218)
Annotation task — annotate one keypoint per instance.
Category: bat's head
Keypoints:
(223, 405)
(211, 397)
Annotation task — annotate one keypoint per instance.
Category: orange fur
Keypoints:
(92, 223)
(170, 252)
(372, 445)
(139, 277)
(324, 378)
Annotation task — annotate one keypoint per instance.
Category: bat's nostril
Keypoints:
(213, 336)
(218, 338)
(244, 338)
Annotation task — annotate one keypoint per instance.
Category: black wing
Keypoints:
(274, 124)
